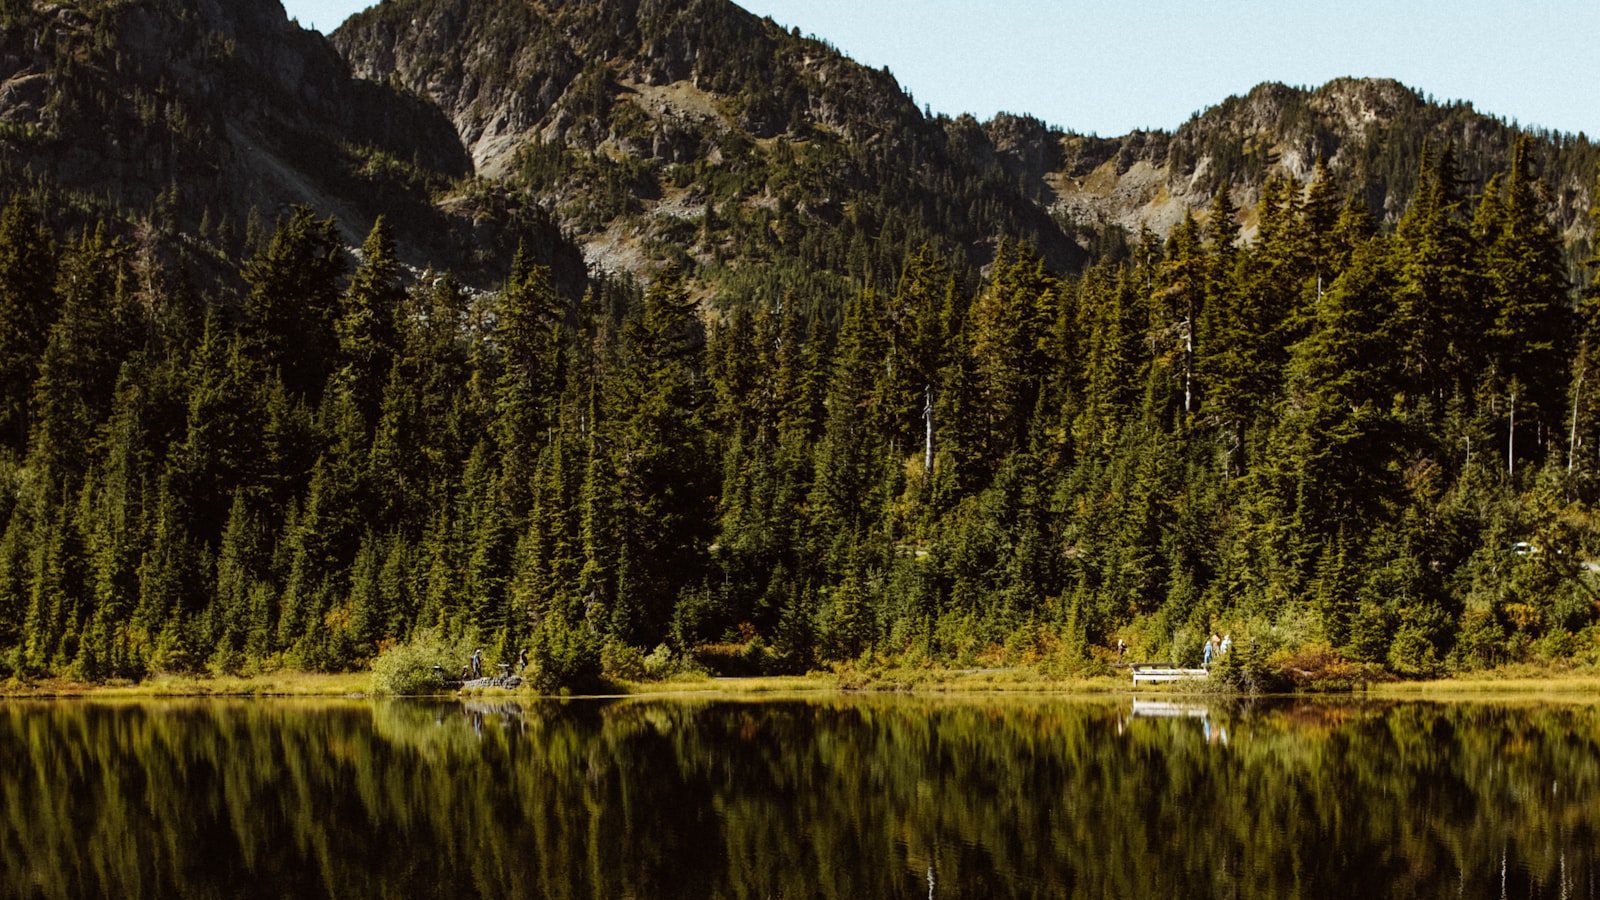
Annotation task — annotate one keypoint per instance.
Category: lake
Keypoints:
(869, 796)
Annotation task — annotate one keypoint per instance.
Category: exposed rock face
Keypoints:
(643, 89)
(1369, 132)
(704, 84)
(651, 131)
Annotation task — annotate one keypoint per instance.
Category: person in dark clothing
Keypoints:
(477, 663)
(522, 660)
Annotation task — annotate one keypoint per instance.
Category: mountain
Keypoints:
(205, 114)
(648, 133)
(1369, 132)
(697, 132)
(700, 133)
(889, 388)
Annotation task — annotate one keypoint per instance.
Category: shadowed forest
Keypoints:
(1364, 447)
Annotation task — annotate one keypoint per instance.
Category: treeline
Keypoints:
(1380, 446)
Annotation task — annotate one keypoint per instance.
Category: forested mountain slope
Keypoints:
(1369, 132)
(926, 416)
(698, 133)
(210, 118)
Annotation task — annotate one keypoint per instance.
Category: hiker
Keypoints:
(1227, 643)
(1122, 648)
(1205, 658)
(522, 660)
(477, 663)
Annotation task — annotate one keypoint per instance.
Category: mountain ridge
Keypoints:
(630, 135)
(620, 82)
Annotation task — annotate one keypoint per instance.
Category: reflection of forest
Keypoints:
(837, 798)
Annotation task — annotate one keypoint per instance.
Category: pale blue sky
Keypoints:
(1106, 66)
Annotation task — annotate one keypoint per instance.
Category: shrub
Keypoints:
(174, 651)
(409, 668)
(1558, 645)
(700, 615)
(622, 661)
(1250, 665)
(565, 656)
(1319, 667)
(753, 657)
(662, 664)
(1480, 643)
(1588, 652)
(226, 661)
(1412, 655)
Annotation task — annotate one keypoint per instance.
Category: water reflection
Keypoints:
(849, 797)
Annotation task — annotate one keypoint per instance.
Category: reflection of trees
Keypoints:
(843, 798)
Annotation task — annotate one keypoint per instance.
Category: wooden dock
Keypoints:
(1164, 709)
(1157, 673)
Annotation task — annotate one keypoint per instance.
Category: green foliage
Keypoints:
(662, 664)
(1357, 449)
(565, 657)
(1412, 654)
(420, 665)
(619, 661)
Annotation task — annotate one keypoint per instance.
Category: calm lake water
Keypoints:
(849, 797)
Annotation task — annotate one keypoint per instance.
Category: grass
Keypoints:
(1524, 682)
(910, 680)
(1519, 680)
(277, 684)
(1000, 680)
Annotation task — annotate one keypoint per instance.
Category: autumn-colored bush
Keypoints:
(1319, 667)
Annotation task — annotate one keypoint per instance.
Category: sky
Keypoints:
(1108, 67)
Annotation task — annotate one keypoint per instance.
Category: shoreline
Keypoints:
(1520, 683)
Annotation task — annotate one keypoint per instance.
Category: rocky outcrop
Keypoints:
(626, 90)
(1369, 133)
(651, 131)
(217, 110)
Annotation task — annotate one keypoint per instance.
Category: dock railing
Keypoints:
(1158, 672)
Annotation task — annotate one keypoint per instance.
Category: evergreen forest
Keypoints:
(1352, 444)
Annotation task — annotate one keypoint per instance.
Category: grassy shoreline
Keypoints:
(1520, 682)
(277, 684)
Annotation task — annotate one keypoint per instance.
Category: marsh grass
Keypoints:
(286, 683)
(1525, 682)
(1519, 680)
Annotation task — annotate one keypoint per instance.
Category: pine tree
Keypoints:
(1531, 331)
(527, 332)
(294, 301)
(1441, 317)
(1336, 443)
(660, 458)
(87, 345)
(846, 457)
(27, 310)
(367, 332)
